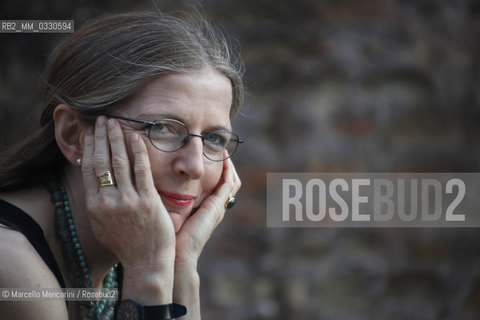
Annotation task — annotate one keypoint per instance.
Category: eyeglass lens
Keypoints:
(170, 135)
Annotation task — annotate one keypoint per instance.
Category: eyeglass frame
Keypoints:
(187, 138)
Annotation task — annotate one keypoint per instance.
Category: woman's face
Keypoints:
(200, 100)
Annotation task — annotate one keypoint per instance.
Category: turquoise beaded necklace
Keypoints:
(66, 232)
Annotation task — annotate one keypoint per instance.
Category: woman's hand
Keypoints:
(129, 218)
(198, 228)
(193, 236)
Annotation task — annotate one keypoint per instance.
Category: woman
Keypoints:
(129, 174)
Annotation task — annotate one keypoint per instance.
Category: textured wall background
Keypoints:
(367, 85)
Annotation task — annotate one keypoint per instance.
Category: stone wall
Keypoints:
(337, 86)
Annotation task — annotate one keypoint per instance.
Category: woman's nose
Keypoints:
(190, 159)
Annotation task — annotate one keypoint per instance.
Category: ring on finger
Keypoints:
(105, 179)
(230, 202)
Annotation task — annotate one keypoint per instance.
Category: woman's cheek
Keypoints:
(213, 176)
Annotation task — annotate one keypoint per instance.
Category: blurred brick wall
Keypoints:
(341, 85)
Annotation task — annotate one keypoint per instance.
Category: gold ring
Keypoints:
(230, 202)
(105, 179)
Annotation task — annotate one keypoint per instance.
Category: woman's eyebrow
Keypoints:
(159, 116)
(216, 128)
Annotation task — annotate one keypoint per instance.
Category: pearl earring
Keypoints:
(79, 161)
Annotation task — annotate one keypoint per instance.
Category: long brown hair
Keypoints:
(102, 65)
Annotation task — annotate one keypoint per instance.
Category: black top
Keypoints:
(23, 223)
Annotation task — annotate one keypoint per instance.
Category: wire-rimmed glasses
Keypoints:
(170, 135)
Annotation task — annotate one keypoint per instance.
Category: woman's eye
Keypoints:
(161, 128)
(215, 139)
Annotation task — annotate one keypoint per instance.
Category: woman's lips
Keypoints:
(179, 200)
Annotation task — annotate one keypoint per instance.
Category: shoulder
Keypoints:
(20, 261)
(22, 267)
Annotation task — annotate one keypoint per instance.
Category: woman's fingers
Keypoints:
(231, 182)
(233, 175)
(214, 205)
(106, 150)
(119, 160)
(141, 165)
(102, 150)
(88, 169)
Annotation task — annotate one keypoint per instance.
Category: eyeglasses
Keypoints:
(170, 135)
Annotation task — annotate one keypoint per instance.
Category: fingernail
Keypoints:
(101, 121)
(111, 124)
